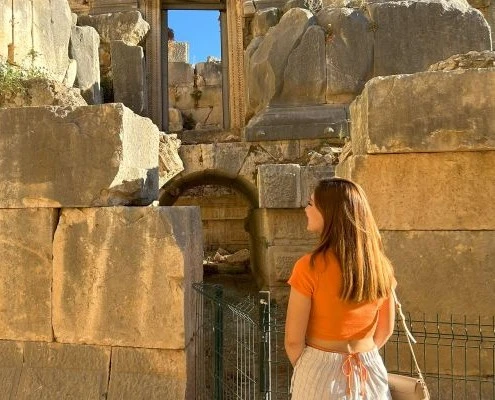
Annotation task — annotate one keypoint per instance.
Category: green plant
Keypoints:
(13, 79)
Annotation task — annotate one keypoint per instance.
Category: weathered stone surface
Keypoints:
(267, 64)
(449, 264)
(130, 27)
(52, 22)
(349, 50)
(264, 20)
(402, 45)
(309, 122)
(211, 96)
(89, 156)
(283, 227)
(310, 176)
(140, 297)
(205, 116)
(61, 371)
(147, 374)
(175, 120)
(169, 161)
(26, 273)
(209, 73)
(427, 191)
(401, 113)
(279, 185)
(10, 367)
(41, 91)
(41, 34)
(472, 59)
(180, 74)
(129, 76)
(70, 74)
(305, 74)
(84, 44)
(281, 260)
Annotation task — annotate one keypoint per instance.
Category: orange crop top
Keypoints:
(331, 318)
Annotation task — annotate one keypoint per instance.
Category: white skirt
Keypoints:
(323, 375)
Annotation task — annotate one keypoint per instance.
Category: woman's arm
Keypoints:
(296, 324)
(386, 322)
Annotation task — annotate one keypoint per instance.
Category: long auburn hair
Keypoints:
(350, 231)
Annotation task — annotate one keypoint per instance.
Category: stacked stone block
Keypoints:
(97, 295)
(280, 222)
(424, 151)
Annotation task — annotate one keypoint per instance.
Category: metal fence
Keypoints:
(239, 350)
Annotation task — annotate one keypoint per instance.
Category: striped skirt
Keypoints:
(323, 375)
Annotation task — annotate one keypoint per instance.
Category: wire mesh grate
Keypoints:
(239, 350)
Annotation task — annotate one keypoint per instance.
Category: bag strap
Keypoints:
(410, 339)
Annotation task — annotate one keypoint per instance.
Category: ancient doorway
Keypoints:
(195, 82)
(230, 237)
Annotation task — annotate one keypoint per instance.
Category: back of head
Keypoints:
(350, 231)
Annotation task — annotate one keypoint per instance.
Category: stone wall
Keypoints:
(428, 175)
(98, 295)
(195, 95)
(297, 60)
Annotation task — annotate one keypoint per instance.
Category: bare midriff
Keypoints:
(342, 346)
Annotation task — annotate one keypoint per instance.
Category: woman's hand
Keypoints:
(296, 324)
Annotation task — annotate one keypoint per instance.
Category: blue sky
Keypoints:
(200, 28)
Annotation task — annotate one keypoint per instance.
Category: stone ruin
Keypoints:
(97, 278)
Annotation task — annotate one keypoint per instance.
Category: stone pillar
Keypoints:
(236, 63)
(151, 10)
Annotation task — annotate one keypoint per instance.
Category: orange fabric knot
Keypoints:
(352, 360)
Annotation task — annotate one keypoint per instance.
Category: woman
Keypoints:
(340, 309)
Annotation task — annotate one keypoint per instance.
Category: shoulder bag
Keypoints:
(404, 387)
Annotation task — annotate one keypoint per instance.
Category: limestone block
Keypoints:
(206, 116)
(281, 260)
(140, 297)
(470, 60)
(279, 185)
(264, 20)
(427, 191)
(10, 367)
(61, 371)
(302, 122)
(180, 74)
(180, 96)
(26, 273)
(169, 162)
(52, 23)
(70, 74)
(210, 73)
(248, 53)
(129, 76)
(423, 120)
(84, 44)
(175, 121)
(402, 45)
(283, 227)
(305, 74)
(42, 92)
(349, 51)
(41, 32)
(147, 374)
(268, 61)
(92, 156)
(129, 26)
(310, 176)
(451, 264)
(178, 51)
(211, 96)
